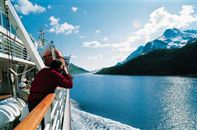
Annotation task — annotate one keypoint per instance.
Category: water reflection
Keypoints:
(145, 102)
(177, 106)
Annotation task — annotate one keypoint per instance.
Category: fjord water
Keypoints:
(145, 102)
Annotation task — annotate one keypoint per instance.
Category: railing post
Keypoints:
(47, 118)
(67, 114)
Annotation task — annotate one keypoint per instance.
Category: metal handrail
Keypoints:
(16, 50)
(13, 39)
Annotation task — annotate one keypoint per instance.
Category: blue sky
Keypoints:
(101, 33)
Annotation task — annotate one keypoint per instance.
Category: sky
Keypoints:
(101, 33)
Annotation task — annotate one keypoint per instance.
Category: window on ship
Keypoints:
(4, 23)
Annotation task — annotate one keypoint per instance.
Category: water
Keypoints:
(144, 102)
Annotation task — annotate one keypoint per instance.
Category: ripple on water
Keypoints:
(177, 112)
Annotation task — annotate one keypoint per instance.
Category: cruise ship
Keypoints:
(19, 62)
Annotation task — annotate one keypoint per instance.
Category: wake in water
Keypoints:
(82, 120)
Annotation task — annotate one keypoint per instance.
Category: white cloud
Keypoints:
(49, 7)
(73, 56)
(105, 39)
(26, 7)
(136, 24)
(95, 44)
(74, 9)
(54, 21)
(95, 57)
(64, 28)
(97, 31)
(161, 19)
(122, 47)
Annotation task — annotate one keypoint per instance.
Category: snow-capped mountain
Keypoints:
(171, 38)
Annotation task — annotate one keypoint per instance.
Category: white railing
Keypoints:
(11, 47)
(54, 119)
(67, 113)
(52, 109)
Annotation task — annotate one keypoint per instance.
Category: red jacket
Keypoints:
(46, 81)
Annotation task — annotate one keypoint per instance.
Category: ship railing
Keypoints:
(54, 109)
(11, 47)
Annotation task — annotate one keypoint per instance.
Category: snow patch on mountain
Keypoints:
(171, 38)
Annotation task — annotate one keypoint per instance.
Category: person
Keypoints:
(46, 81)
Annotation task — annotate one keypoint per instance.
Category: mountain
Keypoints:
(177, 61)
(171, 38)
(73, 69)
(135, 54)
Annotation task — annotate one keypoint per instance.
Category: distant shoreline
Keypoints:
(184, 75)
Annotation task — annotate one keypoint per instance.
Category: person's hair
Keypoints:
(55, 64)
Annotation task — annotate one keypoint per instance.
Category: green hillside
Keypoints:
(73, 69)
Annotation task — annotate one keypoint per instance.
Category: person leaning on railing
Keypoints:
(46, 81)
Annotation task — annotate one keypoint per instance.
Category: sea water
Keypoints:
(127, 102)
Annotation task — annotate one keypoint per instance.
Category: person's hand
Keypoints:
(65, 70)
(66, 66)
